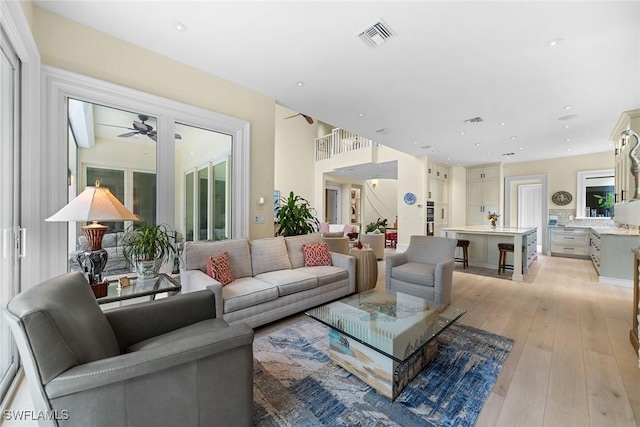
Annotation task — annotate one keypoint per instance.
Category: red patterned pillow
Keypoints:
(219, 267)
(316, 254)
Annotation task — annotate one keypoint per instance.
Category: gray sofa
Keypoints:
(271, 281)
(169, 362)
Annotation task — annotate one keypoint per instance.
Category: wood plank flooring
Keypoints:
(571, 364)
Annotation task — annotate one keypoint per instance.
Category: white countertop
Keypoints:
(486, 229)
(618, 231)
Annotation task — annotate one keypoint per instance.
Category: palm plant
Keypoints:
(148, 243)
(295, 216)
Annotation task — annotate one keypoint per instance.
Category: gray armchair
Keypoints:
(160, 363)
(424, 270)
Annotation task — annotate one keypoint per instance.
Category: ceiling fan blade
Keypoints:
(307, 118)
(114, 126)
(178, 136)
(295, 115)
(128, 134)
(153, 136)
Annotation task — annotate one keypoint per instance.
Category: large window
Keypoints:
(595, 194)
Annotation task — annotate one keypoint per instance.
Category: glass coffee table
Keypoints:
(140, 288)
(385, 339)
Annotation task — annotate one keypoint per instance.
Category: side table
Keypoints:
(366, 269)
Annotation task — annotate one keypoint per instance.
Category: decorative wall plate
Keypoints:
(561, 198)
(409, 198)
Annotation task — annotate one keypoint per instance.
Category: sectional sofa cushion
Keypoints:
(289, 281)
(247, 292)
(326, 274)
(219, 267)
(294, 247)
(196, 255)
(316, 254)
(269, 255)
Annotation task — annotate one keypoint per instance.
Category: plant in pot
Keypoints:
(295, 216)
(147, 247)
(373, 226)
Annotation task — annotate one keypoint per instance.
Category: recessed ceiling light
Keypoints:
(501, 123)
(462, 132)
(521, 148)
(448, 158)
(179, 26)
(568, 149)
(434, 151)
(514, 137)
(567, 126)
(476, 144)
(415, 142)
(555, 42)
(568, 140)
(568, 107)
(361, 114)
(300, 83)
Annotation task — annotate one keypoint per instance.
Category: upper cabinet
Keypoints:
(625, 183)
(483, 193)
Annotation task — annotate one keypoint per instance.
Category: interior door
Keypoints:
(530, 207)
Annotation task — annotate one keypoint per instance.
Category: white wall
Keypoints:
(380, 201)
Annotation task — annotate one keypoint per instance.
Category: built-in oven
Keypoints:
(430, 217)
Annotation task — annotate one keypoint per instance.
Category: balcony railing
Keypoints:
(338, 142)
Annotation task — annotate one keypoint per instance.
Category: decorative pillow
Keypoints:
(348, 229)
(316, 254)
(324, 227)
(219, 267)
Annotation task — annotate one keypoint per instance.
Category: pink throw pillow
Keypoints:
(219, 267)
(324, 227)
(316, 254)
(348, 229)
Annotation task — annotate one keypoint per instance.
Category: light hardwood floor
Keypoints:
(571, 364)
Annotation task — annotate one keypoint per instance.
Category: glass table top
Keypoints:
(394, 324)
(140, 288)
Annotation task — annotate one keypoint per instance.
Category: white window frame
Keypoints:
(59, 85)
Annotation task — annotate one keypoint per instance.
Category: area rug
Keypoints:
(295, 384)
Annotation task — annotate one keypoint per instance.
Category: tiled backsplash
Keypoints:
(564, 214)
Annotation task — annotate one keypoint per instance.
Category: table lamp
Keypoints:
(92, 205)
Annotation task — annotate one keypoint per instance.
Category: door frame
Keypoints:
(338, 190)
(510, 184)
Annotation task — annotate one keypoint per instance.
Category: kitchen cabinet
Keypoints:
(483, 193)
(569, 241)
(612, 257)
(635, 329)
(438, 192)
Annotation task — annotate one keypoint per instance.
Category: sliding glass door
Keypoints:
(9, 201)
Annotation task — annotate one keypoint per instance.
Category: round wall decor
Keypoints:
(409, 198)
(561, 198)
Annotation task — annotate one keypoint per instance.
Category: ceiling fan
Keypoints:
(307, 118)
(140, 128)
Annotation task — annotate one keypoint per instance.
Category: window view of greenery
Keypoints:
(599, 197)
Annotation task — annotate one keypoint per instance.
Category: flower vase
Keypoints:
(493, 225)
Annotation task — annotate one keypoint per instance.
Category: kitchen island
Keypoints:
(483, 246)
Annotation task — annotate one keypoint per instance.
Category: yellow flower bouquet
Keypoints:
(493, 218)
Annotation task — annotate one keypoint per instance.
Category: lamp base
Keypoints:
(93, 263)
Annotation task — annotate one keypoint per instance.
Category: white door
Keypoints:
(9, 201)
(530, 207)
(332, 211)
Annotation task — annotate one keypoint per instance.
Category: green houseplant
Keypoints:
(147, 247)
(373, 226)
(295, 216)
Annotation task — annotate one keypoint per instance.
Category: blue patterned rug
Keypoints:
(295, 384)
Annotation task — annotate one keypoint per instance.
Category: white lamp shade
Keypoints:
(94, 204)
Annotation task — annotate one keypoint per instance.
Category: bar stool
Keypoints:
(464, 244)
(502, 257)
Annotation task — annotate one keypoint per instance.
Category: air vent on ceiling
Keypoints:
(474, 120)
(383, 131)
(376, 33)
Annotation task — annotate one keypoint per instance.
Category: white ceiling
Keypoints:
(449, 62)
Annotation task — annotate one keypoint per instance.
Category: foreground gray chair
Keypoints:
(160, 363)
(424, 270)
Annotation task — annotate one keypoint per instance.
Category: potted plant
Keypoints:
(147, 247)
(373, 226)
(295, 216)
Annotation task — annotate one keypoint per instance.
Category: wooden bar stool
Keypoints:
(502, 257)
(464, 244)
